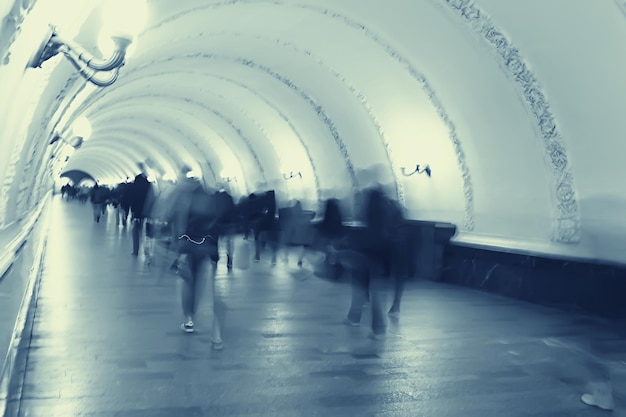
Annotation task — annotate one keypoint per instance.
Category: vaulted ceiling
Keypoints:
(515, 106)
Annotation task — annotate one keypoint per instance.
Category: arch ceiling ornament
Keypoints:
(11, 25)
(76, 176)
(567, 227)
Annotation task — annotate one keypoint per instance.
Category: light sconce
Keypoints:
(123, 19)
(229, 179)
(292, 175)
(75, 141)
(418, 170)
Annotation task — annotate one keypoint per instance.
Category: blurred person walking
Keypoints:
(195, 215)
(137, 193)
(368, 253)
(228, 224)
(98, 196)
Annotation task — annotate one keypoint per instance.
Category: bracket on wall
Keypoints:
(292, 175)
(418, 170)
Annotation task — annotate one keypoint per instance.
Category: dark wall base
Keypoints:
(591, 287)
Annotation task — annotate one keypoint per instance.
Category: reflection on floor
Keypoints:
(106, 342)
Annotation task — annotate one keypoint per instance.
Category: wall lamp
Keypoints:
(122, 18)
(75, 141)
(229, 179)
(101, 72)
(292, 175)
(418, 170)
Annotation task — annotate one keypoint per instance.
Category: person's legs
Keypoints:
(358, 298)
(599, 389)
(379, 324)
(188, 274)
(272, 240)
(216, 308)
(148, 242)
(228, 241)
(257, 244)
(399, 284)
(137, 229)
(125, 212)
(97, 211)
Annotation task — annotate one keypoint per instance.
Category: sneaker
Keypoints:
(601, 396)
(351, 323)
(217, 345)
(377, 336)
(394, 313)
(187, 327)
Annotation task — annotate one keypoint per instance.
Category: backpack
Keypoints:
(202, 215)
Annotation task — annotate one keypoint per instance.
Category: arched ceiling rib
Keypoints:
(533, 96)
(277, 128)
(102, 170)
(136, 133)
(125, 155)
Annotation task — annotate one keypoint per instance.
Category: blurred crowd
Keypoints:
(179, 225)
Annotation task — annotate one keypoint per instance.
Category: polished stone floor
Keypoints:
(106, 342)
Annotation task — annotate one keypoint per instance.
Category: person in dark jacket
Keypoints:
(98, 196)
(137, 193)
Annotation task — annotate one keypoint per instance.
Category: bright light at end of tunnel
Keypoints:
(124, 18)
(81, 127)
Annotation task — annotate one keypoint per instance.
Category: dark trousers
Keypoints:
(137, 232)
(199, 263)
(367, 285)
(192, 270)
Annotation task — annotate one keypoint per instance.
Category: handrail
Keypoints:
(7, 256)
(24, 317)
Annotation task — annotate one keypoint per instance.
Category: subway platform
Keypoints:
(105, 342)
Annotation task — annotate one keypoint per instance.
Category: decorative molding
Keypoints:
(421, 80)
(12, 27)
(567, 217)
(43, 133)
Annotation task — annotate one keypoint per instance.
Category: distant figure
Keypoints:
(328, 234)
(137, 192)
(296, 231)
(228, 223)
(98, 196)
(259, 211)
(122, 194)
